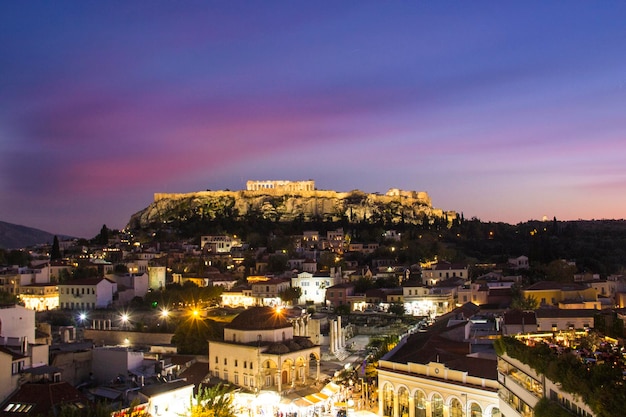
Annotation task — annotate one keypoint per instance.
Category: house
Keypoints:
(267, 293)
(422, 300)
(87, 294)
(444, 270)
(238, 297)
(558, 319)
(40, 297)
(16, 323)
(337, 295)
(517, 321)
(313, 286)
(43, 399)
(130, 286)
(170, 399)
(521, 262)
(551, 293)
(219, 243)
(17, 353)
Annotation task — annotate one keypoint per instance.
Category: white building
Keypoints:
(219, 243)
(172, 399)
(110, 362)
(87, 294)
(130, 286)
(313, 286)
(16, 322)
(156, 277)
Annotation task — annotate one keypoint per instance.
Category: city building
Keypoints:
(444, 270)
(87, 294)
(438, 373)
(313, 286)
(338, 295)
(260, 352)
(551, 293)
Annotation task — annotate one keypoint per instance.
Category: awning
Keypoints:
(330, 389)
(302, 402)
(313, 399)
(321, 396)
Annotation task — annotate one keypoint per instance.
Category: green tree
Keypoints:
(55, 252)
(7, 299)
(342, 310)
(291, 294)
(212, 401)
(193, 333)
(559, 270)
(103, 236)
(397, 309)
(120, 269)
(524, 303)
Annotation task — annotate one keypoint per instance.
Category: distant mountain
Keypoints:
(14, 236)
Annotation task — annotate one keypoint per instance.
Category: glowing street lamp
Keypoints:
(125, 318)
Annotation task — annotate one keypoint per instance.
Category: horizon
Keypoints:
(504, 112)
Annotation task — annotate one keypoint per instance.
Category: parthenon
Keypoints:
(280, 185)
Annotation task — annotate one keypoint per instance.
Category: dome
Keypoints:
(259, 318)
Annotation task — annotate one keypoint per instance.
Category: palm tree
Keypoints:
(212, 402)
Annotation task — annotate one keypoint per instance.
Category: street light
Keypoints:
(124, 318)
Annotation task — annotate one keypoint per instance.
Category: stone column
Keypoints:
(411, 406)
(337, 336)
(317, 374)
(332, 337)
(293, 376)
(339, 332)
(280, 379)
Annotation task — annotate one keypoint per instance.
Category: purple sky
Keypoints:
(507, 112)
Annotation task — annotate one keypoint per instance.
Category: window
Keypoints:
(420, 404)
(245, 364)
(437, 406)
(225, 362)
(475, 410)
(456, 410)
(403, 402)
(17, 367)
(388, 401)
(216, 360)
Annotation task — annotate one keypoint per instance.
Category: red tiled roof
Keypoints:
(43, 399)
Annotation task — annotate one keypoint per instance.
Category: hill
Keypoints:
(279, 206)
(14, 236)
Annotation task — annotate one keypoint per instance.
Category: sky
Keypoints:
(504, 111)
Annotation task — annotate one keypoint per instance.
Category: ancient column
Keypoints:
(340, 333)
(317, 373)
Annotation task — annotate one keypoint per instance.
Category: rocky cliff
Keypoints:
(395, 206)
